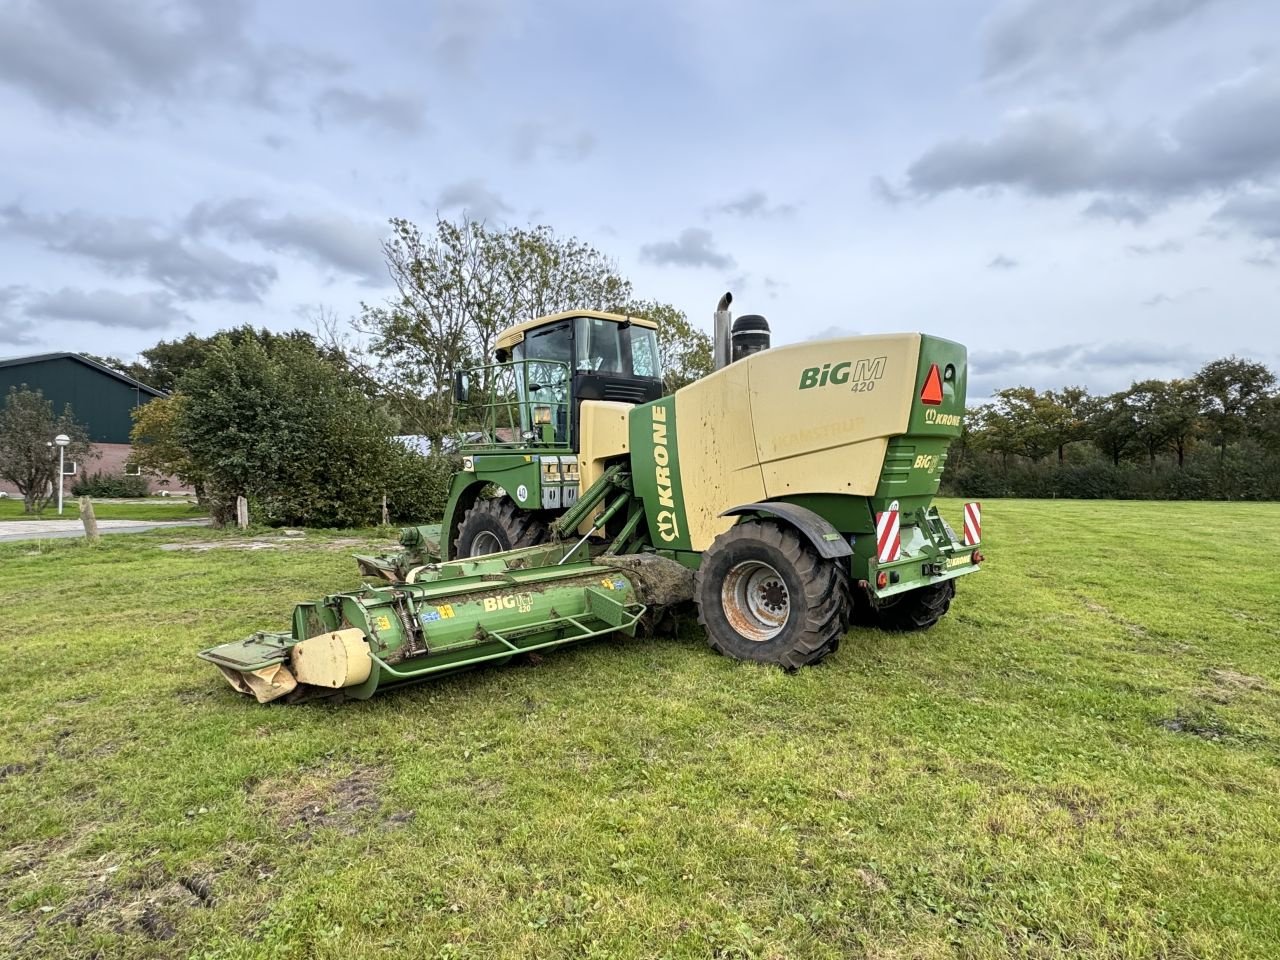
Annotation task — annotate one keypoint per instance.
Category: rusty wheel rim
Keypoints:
(485, 543)
(755, 600)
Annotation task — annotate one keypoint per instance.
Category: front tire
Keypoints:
(764, 594)
(497, 525)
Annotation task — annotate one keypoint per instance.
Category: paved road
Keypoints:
(61, 529)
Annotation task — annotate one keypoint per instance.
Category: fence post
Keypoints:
(386, 518)
(89, 520)
(242, 513)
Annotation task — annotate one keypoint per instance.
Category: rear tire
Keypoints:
(493, 526)
(764, 594)
(917, 609)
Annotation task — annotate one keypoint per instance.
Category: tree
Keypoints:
(27, 458)
(288, 430)
(1113, 425)
(1233, 393)
(1166, 413)
(1019, 422)
(684, 350)
(1065, 415)
(155, 442)
(164, 364)
(456, 289)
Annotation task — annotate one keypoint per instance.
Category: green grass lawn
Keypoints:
(1083, 758)
(158, 509)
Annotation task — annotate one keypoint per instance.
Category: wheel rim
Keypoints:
(755, 600)
(485, 543)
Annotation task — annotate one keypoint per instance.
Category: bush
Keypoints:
(101, 484)
(289, 431)
(418, 487)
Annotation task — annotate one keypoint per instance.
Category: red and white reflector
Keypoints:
(888, 535)
(972, 523)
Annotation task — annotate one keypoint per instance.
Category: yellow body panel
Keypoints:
(749, 432)
(603, 429)
(716, 443)
(831, 439)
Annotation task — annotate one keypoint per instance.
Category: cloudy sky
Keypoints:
(1083, 192)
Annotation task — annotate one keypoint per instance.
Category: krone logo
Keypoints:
(668, 528)
(942, 419)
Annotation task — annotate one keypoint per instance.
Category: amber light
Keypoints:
(882, 580)
(978, 557)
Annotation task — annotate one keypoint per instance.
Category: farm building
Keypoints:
(101, 398)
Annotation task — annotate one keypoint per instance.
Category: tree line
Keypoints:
(1214, 435)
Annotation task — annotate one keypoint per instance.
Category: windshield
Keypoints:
(606, 346)
(644, 352)
(542, 379)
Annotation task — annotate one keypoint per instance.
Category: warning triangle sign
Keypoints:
(932, 392)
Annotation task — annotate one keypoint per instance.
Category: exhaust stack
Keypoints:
(723, 326)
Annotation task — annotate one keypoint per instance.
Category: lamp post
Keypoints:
(61, 440)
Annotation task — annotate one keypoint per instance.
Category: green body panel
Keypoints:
(655, 471)
(913, 462)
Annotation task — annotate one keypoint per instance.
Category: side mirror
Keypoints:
(461, 388)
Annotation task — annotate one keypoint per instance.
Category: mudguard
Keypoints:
(826, 539)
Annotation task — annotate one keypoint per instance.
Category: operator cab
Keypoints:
(578, 355)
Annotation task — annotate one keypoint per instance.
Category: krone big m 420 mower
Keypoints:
(788, 494)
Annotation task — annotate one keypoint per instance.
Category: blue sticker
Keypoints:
(429, 616)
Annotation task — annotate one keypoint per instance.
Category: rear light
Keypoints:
(932, 392)
(882, 580)
(978, 557)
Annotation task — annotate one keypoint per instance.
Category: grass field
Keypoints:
(1083, 758)
(158, 509)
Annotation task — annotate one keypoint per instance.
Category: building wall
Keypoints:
(103, 403)
(111, 458)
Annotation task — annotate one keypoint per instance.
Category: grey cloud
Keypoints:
(883, 191)
(1259, 260)
(753, 203)
(694, 247)
(110, 308)
(1257, 213)
(1119, 209)
(474, 199)
(462, 27)
(1107, 366)
(128, 246)
(533, 139)
(393, 112)
(1002, 262)
(1229, 137)
(99, 58)
(1160, 299)
(327, 240)
(15, 332)
(1151, 250)
(1030, 37)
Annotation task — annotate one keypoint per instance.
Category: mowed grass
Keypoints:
(158, 509)
(1083, 758)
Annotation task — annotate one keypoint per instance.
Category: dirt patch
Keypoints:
(1236, 681)
(1198, 722)
(1227, 685)
(324, 797)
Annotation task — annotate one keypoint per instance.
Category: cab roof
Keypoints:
(509, 337)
